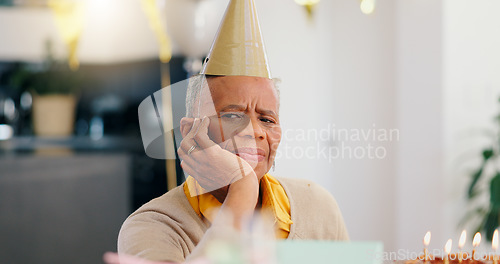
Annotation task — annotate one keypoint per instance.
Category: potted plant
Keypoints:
(487, 213)
(54, 89)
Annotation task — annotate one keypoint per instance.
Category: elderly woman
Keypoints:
(230, 135)
(215, 151)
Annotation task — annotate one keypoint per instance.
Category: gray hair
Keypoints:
(197, 82)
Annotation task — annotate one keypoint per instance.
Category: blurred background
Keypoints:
(72, 74)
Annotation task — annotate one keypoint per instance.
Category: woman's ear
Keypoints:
(186, 125)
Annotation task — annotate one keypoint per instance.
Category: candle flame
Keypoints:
(477, 239)
(447, 247)
(427, 238)
(462, 240)
(494, 241)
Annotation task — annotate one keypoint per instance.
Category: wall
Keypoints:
(420, 186)
(428, 68)
(337, 73)
(448, 87)
(471, 86)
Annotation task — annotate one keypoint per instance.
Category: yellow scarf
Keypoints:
(274, 199)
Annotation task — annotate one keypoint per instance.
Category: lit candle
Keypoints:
(494, 246)
(461, 244)
(427, 240)
(475, 243)
(447, 250)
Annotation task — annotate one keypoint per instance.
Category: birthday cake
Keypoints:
(457, 258)
(453, 259)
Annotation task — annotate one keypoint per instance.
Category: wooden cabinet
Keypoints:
(62, 209)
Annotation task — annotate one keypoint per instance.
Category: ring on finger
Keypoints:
(191, 149)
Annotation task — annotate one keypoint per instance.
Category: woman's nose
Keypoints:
(253, 129)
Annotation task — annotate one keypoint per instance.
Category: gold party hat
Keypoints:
(238, 48)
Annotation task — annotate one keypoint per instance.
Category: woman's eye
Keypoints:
(267, 120)
(231, 116)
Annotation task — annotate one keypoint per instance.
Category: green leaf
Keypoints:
(475, 178)
(491, 223)
(487, 154)
(474, 194)
(495, 192)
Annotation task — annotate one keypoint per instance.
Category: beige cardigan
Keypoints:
(168, 229)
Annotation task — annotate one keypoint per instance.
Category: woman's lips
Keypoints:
(251, 154)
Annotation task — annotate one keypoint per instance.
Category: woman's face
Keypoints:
(244, 118)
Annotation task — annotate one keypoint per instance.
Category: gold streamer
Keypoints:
(68, 15)
(155, 22)
(165, 53)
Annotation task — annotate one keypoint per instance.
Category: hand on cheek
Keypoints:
(212, 166)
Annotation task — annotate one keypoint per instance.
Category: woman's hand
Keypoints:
(214, 168)
(211, 166)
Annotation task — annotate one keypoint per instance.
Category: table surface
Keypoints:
(78, 143)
